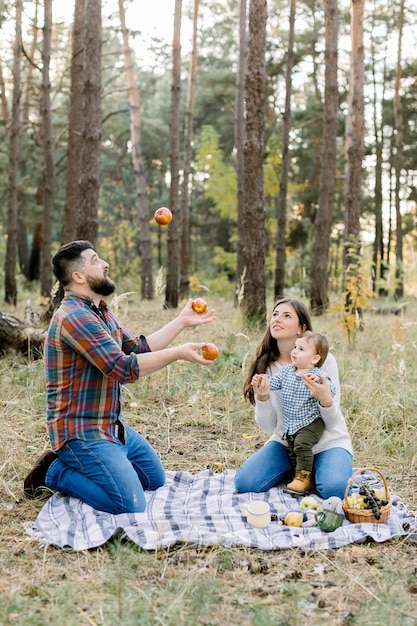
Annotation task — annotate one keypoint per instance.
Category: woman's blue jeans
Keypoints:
(108, 476)
(271, 465)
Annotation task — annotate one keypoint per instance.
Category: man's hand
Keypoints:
(189, 317)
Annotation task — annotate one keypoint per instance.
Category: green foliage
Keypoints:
(356, 294)
(219, 177)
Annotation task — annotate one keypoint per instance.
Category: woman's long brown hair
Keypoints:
(267, 351)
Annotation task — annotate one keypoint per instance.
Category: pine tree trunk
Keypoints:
(138, 164)
(323, 221)
(90, 165)
(48, 152)
(355, 129)
(171, 294)
(75, 126)
(398, 125)
(253, 302)
(10, 284)
(281, 201)
(188, 137)
(239, 143)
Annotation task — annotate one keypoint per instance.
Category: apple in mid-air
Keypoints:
(199, 305)
(210, 351)
(163, 216)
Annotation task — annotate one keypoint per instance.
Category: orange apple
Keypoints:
(163, 216)
(210, 351)
(199, 305)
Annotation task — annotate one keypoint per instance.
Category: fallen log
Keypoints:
(27, 336)
(20, 336)
(388, 310)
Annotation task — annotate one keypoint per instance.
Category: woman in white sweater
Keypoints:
(271, 465)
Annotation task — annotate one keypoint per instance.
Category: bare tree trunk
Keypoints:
(171, 294)
(398, 125)
(354, 138)
(27, 79)
(23, 249)
(239, 142)
(10, 285)
(48, 150)
(90, 167)
(253, 301)
(188, 136)
(75, 126)
(323, 222)
(3, 98)
(138, 164)
(281, 201)
(378, 258)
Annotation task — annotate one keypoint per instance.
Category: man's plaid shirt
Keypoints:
(88, 357)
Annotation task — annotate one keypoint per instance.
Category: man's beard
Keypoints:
(101, 286)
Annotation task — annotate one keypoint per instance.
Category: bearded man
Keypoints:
(88, 357)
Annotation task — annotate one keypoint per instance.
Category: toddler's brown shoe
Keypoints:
(301, 483)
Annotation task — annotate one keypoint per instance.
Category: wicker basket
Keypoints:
(358, 516)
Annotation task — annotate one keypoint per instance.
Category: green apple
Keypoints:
(308, 502)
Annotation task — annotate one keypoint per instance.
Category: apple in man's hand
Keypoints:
(210, 351)
(163, 216)
(199, 305)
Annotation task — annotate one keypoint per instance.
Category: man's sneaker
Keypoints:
(301, 483)
(34, 483)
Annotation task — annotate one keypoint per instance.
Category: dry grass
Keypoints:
(196, 419)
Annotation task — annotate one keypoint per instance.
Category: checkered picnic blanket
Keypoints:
(203, 510)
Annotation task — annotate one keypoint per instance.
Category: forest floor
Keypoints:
(119, 583)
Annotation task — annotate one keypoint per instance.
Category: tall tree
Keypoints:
(188, 137)
(240, 140)
(171, 293)
(323, 221)
(281, 201)
(27, 78)
(3, 97)
(10, 284)
(72, 209)
(90, 152)
(354, 140)
(398, 163)
(378, 92)
(145, 247)
(48, 155)
(253, 302)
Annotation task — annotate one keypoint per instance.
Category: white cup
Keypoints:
(258, 513)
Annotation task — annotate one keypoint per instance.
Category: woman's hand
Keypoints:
(261, 387)
(319, 388)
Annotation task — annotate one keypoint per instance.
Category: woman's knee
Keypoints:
(331, 487)
(242, 484)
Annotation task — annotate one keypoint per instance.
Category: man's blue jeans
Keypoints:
(271, 465)
(108, 476)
